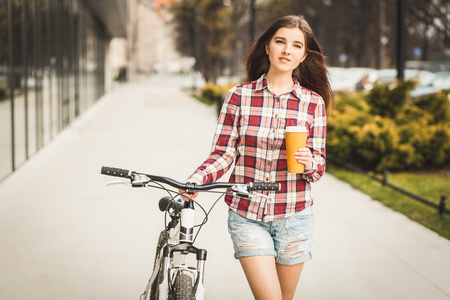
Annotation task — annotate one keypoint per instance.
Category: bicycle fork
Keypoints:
(185, 247)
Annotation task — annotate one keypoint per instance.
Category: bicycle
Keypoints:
(170, 279)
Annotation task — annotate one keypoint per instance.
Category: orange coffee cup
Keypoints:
(295, 139)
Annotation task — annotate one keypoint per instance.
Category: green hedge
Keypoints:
(211, 92)
(3, 93)
(386, 130)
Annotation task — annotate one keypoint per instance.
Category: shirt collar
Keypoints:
(297, 88)
(261, 84)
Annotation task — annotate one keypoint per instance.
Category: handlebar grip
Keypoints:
(264, 186)
(115, 172)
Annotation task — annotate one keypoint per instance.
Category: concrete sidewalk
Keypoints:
(65, 235)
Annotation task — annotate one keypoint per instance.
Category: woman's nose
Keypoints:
(287, 50)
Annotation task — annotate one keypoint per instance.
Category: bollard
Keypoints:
(385, 176)
(220, 101)
(442, 204)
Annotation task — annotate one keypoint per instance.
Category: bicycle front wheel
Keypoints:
(157, 267)
(183, 288)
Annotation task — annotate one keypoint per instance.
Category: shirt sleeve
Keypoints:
(223, 151)
(317, 143)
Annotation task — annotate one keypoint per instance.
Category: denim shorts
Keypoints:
(289, 239)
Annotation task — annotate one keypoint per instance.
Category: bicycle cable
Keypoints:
(170, 192)
(205, 220)
(206, 213)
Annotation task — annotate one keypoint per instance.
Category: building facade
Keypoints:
(151, 46)
(53, 61)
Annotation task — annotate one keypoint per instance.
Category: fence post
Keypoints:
(385, 176)
(442, 204)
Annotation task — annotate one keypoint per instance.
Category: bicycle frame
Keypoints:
(185, 247)
(180, 238)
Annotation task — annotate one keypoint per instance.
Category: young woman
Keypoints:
(287, 86)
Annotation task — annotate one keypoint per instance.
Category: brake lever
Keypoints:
(118, 182)
(240, 190)
(140, 180)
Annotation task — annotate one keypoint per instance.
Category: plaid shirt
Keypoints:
(250, 132)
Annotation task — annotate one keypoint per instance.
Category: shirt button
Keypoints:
(269, 163)
(267, 179)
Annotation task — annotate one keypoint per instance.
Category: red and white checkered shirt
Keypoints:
(250, 133)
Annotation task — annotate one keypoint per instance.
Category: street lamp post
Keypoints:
(252, 20)
(401, 39)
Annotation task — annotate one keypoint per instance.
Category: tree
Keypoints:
(3, 32)
(206, 32)
(430, 20)
(217, 32)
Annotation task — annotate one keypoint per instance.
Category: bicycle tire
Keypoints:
(154, 289)
(183, 288)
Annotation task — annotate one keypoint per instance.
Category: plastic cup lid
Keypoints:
(296, 129)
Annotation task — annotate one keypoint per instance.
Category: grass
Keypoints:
(426, 185)
(205, 101)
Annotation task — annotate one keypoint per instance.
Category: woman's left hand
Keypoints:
(304, 156)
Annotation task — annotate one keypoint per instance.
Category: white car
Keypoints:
(440, 81)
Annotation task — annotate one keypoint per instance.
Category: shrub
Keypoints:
(388, 101)
(413, 135)
(414, 115)
(211, 92)
(3, 93)
(345, 99)
(415, 144)
(439, 145)
(342, 130)
(437, 105)
(377, 142)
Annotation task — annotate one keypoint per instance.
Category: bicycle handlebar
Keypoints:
(115, 172)
(251, 186)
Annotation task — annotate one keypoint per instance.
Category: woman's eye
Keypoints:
(279, 42)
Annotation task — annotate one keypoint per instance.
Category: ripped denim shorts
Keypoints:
(289, 239)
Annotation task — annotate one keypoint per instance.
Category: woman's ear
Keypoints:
(267, 49)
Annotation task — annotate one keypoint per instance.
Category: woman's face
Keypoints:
(286, 49)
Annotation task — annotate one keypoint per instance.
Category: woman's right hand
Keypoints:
(192, 196)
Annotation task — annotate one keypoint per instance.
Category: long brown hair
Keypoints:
(311, 73)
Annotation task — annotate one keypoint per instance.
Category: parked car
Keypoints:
(363, 79)
(390, 75)
(440, 81)
(350, 78)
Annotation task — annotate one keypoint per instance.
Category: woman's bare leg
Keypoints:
(289, 277)
(262, 277)
(269, 280)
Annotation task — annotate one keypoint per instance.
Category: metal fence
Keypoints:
(52, 56)
(441, 207)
